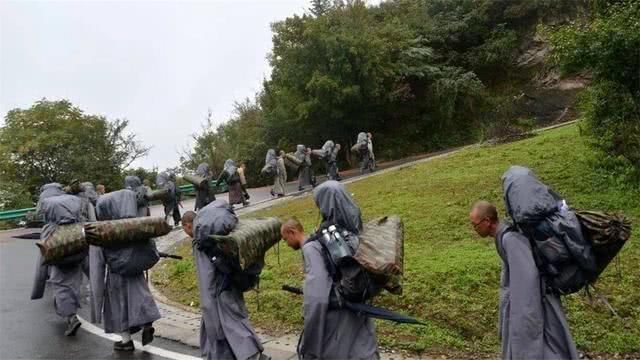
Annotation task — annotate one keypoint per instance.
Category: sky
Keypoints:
(159, 64)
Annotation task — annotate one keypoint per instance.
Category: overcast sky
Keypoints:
(159, 64)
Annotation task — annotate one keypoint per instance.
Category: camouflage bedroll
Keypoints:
(292, 161)
(250, 239)
(65, 240)
(119, 233)
(319, 153)
(381, 251)
(197, 181)
(158, 194)
(607, 232)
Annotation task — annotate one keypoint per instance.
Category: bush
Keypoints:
(611, 120)
(609, 48)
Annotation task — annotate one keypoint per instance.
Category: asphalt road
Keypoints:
(30, 329)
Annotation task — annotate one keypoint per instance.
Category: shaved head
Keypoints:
(485, 209)
(484, 218)
(187, 222)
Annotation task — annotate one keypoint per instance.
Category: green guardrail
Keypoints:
(15, 214)
(187, 190)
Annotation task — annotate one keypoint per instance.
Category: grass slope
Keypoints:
(452, 275)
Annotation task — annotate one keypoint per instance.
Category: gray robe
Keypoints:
(204, 195)
(330, 334)
(125, 301)
(280, 179)
(532, 322)
(65, 281)
(304, 170)
(225, 330)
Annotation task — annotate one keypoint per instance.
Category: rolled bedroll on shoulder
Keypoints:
(250, 239)
(63, 241)
(381, 251)
(319, 153)
(118, 233)
(293, 159)
(158, 194)
(197, 181)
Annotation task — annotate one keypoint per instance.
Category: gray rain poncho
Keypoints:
(225, 330)
(363, 139)
(555, 230)
(89, 192)
(332, 333)
(328, 148)
(163, 180)
(532, 323)
(230, 167)
(203, 195)
(133, 183)
(46, 191)
(304, 172)
(65, 279)
(203, 170)
(125, 301)
(89, 198)
(271, 158)
(300, 153)
(337, 206)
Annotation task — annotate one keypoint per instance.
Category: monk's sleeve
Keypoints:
(317, 286)
(526, 324)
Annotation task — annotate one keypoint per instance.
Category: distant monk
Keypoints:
(204, 195)
(230, 175)
(280, 179)
(532, 323)
(304, 170)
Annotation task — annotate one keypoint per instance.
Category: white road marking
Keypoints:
(148, 348)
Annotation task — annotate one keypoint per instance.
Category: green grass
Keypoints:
(452, 275)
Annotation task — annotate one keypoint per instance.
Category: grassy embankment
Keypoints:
(451, 275)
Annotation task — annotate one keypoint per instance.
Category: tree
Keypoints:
(54, 141)
(607, 46)
(319, 7)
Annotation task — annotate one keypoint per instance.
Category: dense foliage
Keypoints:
(54, 141)
(608, 46)
(420, 75)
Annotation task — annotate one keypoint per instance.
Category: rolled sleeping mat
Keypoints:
(268, 170)
(119, 233)
(319, 153)
(64, 241)
(358, 147)
(291, 157)
(158, 194)
(381, 251)
(250, 240)
(197, 181)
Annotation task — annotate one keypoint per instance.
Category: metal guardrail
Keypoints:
(187, 190)
(15, 214)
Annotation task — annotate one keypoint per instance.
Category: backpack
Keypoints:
(570, 248)
(133, 259)
(352, 282)
(235, 277)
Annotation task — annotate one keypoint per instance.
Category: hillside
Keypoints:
(452, 275)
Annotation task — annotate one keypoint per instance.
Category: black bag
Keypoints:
(133, 259)
(235, 277)
(351, 280)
